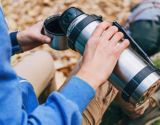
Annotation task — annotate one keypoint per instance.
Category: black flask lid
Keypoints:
(68, 16)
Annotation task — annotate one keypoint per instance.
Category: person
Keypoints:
(18, 102)
(143, 25)
(105, 93)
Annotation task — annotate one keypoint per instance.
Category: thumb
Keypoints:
(44, 39)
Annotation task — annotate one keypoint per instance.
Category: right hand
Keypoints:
(101, 54)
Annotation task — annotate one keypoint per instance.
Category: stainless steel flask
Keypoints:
(52, 29)
(134, 75)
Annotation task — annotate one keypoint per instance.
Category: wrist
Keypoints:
(89, 78)
(21, 40)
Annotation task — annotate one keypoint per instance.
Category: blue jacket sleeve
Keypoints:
(63, 108)
(14, 42)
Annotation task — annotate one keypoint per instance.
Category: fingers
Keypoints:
(107, 34)
(38, 26)
(122, 46)
(116, 38)
(94, 39)
(100, 29)
(43, 38)
(101, 36)
(92, 44)
(40, 23)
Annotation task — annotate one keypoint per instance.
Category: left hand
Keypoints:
(32, 37)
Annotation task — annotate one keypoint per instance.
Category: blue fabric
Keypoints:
(14, 42)
(18, 103)
(76, 92)
(29, 98)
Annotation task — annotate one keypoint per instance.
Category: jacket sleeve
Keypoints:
(63, 108)
(14, 42)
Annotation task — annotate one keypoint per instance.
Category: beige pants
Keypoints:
(38, 68)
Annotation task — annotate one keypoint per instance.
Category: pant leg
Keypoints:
(104, 96)
(133, 111)
(37, 68)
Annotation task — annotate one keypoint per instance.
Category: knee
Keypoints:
(45, 57)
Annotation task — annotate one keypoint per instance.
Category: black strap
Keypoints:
(133, 42)
(79, 27)
(135, 81)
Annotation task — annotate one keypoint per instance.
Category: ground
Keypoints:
(23, 13)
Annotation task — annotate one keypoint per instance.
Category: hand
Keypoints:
(101, 54)
(32, 37)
